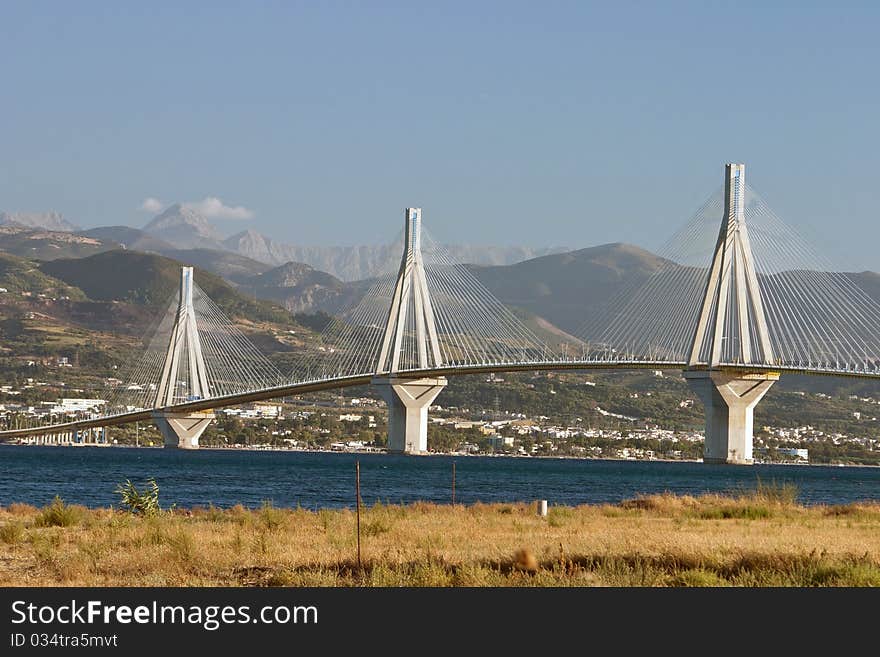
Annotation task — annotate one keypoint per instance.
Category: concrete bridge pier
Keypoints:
(408, 401)
(182, 430)
(730, 400)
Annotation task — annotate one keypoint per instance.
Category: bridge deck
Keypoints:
(306, 387)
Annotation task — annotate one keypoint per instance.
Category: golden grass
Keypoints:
(657, 540)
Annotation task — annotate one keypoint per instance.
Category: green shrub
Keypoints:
(59, 514)
(144, 503)
(182, 545)
(557, 515)
(215, 514)
(270, 517)
(779, 493)
(697, 577)
(736, 511)
(12, 532)
(375, 527)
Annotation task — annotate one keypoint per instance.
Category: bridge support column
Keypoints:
(182, 430)
(729, 399)
(408, 401)
(184, 347)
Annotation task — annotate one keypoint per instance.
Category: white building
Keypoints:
(74, 405)
(500, 441)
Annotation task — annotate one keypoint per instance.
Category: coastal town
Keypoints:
(358, 424)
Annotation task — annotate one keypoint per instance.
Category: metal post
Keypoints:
(453, 483)
(357, 486)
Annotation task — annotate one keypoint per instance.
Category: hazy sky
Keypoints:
(535, 123)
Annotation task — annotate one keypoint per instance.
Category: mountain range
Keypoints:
(185, 228)
(182, 228)
(542, 287)
(47, 220)
(555, 293)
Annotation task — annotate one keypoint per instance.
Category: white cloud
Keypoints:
(213, 208)
(152, 205)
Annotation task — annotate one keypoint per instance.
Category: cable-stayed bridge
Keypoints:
(738, 300)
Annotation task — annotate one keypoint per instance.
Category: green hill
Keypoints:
(18, 275)
(145, 278)
(230, 266)
(40, 244)
(566, 288)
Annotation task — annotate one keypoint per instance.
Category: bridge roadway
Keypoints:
(306, 387)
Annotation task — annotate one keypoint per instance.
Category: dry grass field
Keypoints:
(757, 539)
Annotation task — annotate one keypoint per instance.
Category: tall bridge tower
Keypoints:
(183, 357)
(408, 399)
(731, 330)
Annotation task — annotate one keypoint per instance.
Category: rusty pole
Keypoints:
(357, 485)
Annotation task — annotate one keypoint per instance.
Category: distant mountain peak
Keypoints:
(293, 274)
(299, 287)
(46, 220)
(184, 227)
(353, 263)
(247, 241)
(250, 233)
(182, 215)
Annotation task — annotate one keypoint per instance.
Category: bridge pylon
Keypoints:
(183, 356)
(408, 399)
(731, 330)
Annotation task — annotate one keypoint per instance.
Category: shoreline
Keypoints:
(432, 454)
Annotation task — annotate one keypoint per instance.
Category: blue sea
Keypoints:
(89, 475)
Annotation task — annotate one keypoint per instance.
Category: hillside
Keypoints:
(230, 266)
(42, 317)
(564, 288)
(553, 294)
(73, 339)
(20, 277)
(94, 313)
(149, 279)
(40, 244)
(233, 267)
(128, 238)
(299, 288)
(868, 282)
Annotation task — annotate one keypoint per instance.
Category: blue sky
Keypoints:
(525, 123)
